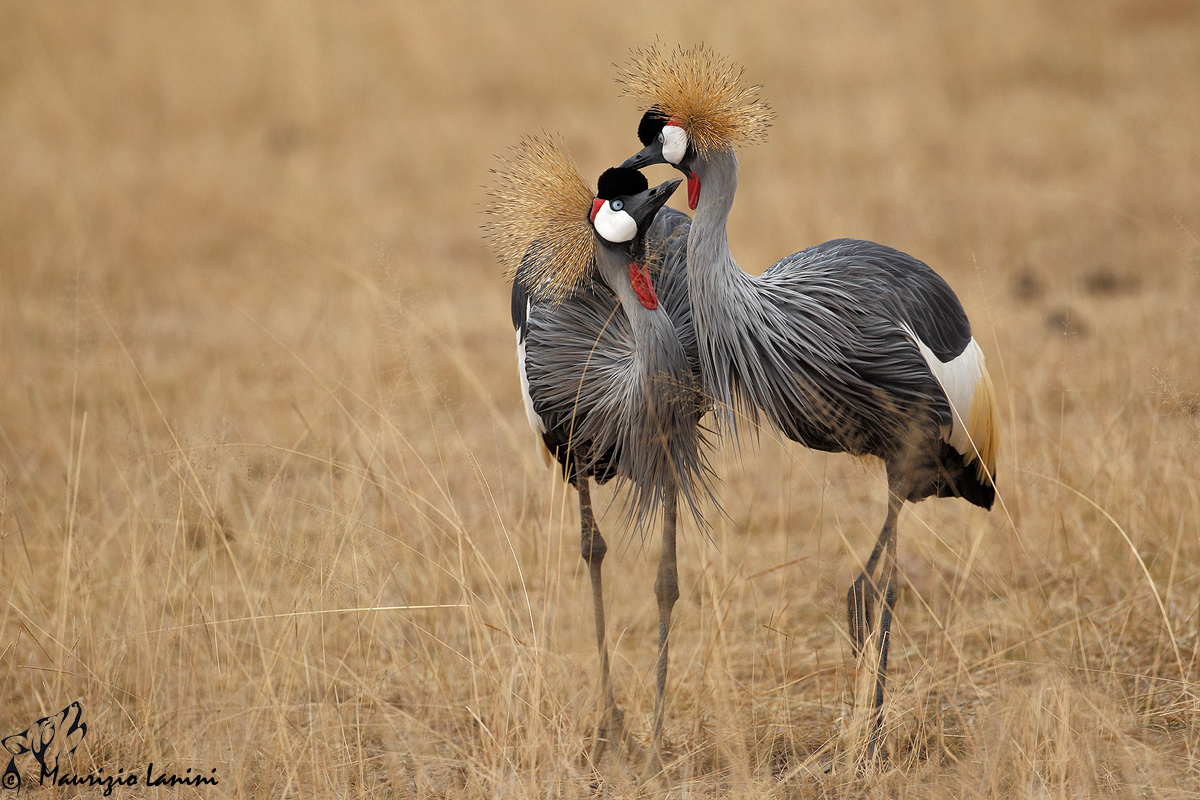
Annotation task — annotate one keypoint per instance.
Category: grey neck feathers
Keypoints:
(657, 347)
(657, 406)
(722, 295)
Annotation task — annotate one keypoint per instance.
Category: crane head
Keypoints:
(539, 212)
(700, 90)
(697, 104)
(665, 142)
(621, 214)
(625, 205)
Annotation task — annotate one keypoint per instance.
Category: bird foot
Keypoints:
(654, 770)
(611, 731)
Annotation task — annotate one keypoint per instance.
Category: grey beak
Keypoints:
(650, 154)
(644, 205)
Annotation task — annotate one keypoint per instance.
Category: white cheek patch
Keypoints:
(614, 226)
(674, 143)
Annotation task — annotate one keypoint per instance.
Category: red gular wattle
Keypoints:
(693, 190)
(639, 278)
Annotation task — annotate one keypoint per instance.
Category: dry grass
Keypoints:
(258, 377)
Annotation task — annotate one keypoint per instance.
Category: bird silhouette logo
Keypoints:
(49, 739)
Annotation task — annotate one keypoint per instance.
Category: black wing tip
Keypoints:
(962, 479)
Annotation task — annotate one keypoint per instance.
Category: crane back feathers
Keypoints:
(541, 232)
(851, 346)
(700, 91)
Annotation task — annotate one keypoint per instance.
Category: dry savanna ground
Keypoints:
(269, 504)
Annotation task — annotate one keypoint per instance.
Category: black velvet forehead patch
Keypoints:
(650, 126)
(621, 182)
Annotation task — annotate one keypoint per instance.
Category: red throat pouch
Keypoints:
(693, 190)
(639, 277)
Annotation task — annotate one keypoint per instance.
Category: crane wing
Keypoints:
(901, 287)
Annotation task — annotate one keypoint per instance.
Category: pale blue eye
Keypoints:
(617, 205)
(661, 138)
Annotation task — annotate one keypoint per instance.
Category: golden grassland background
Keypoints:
(256, 372)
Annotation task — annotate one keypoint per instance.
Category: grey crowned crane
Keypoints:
(847, 346)
(607, 364)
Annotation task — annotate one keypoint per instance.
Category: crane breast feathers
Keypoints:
(968, 386)
(587, 385)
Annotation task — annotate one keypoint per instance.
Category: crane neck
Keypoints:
(708, 244)
(722, 295)
(657, 346)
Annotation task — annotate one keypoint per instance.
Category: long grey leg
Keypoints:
(885, 638)
(859, 609)
(593, 549)
(666, 591)
(860, 599)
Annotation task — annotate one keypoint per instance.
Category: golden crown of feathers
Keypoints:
(702, 92)
(541, 231)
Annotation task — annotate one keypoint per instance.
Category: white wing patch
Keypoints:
(959, 377)
(535, 421)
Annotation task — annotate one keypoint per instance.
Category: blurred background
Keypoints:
(257, 378)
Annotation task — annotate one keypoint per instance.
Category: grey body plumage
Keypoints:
(617, 385)
(816, 344)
